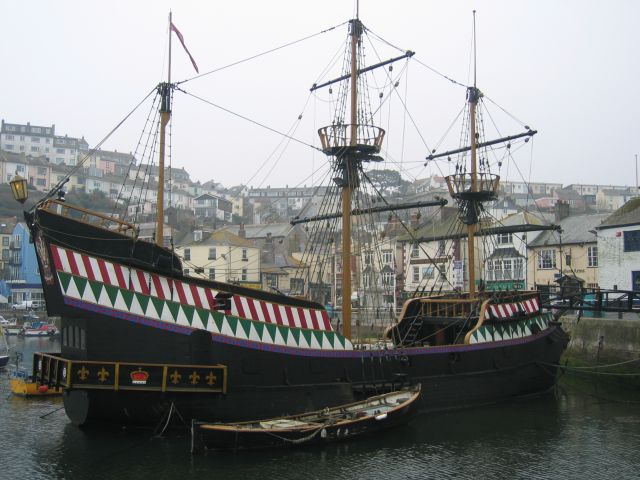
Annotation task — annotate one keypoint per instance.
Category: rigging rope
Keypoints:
(266, 52)
(249, 119)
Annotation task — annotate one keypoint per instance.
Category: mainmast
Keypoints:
(164, 89)
(350, 176)
(351, 145)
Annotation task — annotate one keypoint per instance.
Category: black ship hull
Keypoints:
(269, 383)
(134, 352)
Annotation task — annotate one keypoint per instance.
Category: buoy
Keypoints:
(43, 389)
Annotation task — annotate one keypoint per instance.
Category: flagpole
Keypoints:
(165, 114)
(170, 35)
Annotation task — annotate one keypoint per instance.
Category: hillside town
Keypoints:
(551, 233)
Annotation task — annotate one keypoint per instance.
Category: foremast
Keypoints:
(164, 90)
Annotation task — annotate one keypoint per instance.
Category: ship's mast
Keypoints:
(165, 114)
(472, 189)
(349, 182)
(473, 95)
(351, 145)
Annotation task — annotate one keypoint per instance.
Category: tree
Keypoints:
(96, 200)
(388, 182)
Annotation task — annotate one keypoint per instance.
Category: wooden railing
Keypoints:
(90, 217)
(339, 136)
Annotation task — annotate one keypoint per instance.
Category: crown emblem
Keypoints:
(139, 377)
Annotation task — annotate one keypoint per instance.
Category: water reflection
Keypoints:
(564, 435)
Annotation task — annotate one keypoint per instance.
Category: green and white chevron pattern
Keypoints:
(508, 331)
(127, 301)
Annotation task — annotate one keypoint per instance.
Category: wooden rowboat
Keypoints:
(322, 426)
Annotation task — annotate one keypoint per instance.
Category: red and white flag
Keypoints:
(181, 38)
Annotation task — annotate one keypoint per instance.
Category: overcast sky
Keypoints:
(569, 69)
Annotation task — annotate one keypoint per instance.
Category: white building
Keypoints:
(41, 141)
(619, 248)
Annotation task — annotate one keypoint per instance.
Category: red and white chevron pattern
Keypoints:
(116, 275)
(531, 305)
(508, 310)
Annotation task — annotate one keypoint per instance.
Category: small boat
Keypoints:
(12, 329)
(39, 329)
(322, 426)
(25, 385)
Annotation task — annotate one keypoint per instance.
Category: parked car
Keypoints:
(36, 304)
(23, 305)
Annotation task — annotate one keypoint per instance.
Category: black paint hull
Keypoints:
(262, 380)
(266, 384)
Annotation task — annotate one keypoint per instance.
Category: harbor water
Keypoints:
(567, 434)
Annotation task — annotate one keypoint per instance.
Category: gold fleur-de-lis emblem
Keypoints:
(103, 374)
(83, 373)
(175, 377)
(211, 379)
(194, 377)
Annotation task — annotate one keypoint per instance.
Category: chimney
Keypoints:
(242, 233)
(269, 252)
(562, 210)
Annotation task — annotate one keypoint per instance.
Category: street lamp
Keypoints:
(19, 188)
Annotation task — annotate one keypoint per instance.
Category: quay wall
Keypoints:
(607, 339)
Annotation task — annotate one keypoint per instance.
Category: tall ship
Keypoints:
(141, 339)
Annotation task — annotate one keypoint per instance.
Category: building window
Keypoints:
(547, 259)
(387, 279)
(518, 269)
(8, 146)
(497, 270)
(592, 256)
(367, 258)
(296, 286)
(60, 150)
(504, 239)
(387, 257)
(441, 248)
(244, 275)
(5, 241)
(35, 140)
(187, 254)
(567, 259)
(632, 241)
(212, 253)
(186, 271)
(35, 130)
(9, 137)
(416, 274)
(272, 280)
(506, 269)
(427, 272)
(415, 250)
(212, 274)
(42, 171)
(244, 255)
(366, 279)
(34, 149)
